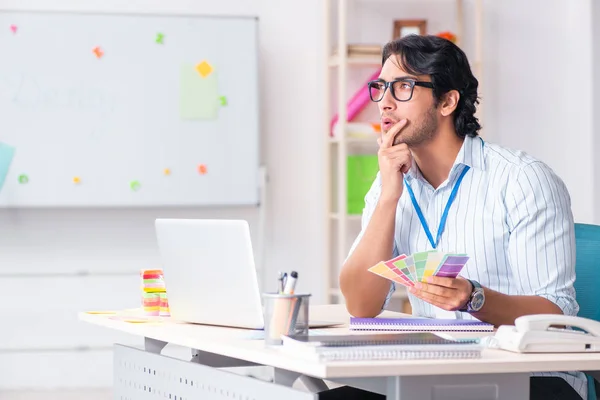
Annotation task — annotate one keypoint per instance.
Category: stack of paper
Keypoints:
(369, 347)
(407, 270)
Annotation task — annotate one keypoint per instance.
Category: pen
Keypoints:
(283, 281)
(290, 283)
(280, 281)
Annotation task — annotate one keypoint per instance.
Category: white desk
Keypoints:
(145, 374)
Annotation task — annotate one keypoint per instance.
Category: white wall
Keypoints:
(527, 46)
(538, 92)
(111, 241)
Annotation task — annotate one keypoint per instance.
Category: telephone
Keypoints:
(538, 334)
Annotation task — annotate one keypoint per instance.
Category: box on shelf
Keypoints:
(361, 172)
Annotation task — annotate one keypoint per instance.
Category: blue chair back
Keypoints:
(587, 282)
(587, 267)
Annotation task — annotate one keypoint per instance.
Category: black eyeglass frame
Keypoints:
(390, 85)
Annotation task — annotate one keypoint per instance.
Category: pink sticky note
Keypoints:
(13, 28)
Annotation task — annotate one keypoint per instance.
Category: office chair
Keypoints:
(587, 240)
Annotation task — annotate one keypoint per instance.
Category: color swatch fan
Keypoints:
(407, 270)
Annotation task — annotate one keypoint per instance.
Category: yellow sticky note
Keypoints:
(101, 312)
(204, 69)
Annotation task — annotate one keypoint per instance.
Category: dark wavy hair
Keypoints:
(449, 69)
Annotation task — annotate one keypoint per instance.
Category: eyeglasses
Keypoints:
(402, 89)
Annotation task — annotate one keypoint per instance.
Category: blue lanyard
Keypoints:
(444, 215)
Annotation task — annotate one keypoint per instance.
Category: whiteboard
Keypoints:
(129, 110)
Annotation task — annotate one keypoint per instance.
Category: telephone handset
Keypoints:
(538, 334)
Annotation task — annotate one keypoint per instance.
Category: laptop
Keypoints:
(209, 271)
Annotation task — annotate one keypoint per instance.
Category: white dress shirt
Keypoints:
(512, 217)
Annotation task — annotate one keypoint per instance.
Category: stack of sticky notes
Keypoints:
(154, 293)
(151, 303)
(407, 270)
(152, 281)
(164, 305)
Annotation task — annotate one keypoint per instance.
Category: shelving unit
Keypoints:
(337, 149)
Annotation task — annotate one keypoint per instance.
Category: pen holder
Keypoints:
(284, 314)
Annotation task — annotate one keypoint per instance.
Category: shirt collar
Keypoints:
(471, 154)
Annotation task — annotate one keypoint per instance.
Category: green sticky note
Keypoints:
(223, 101)
(135, 185)
(198, 94)
(160, 37)
(23, 178)
(6, 156)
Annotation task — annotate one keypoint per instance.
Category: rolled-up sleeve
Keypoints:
(371, 199)
(541, 248)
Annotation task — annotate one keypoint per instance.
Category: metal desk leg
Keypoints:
(153, 345)
(217, 360)
(288, 378)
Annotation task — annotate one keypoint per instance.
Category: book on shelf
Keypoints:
(371, 347)
(419, 324)
(359, 130)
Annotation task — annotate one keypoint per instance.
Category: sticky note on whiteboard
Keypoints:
(6, 155)
(198, 95)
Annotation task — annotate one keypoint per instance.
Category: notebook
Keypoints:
(397, 346)
(419, 324)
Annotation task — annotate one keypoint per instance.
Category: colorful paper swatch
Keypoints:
(407, 270)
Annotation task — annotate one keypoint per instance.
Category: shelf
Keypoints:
(334, 61)
(351, 217)
(355, 140)
(344, 56)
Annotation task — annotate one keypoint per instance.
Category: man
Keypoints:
(440, 186)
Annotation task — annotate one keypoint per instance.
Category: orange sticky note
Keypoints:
(98, 52)
(202, 169)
